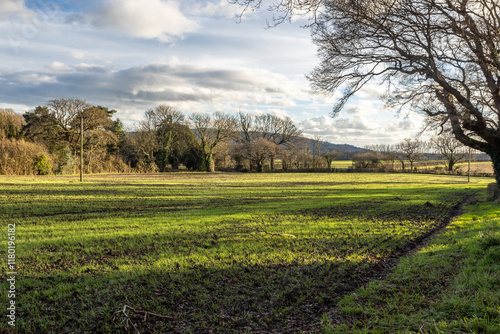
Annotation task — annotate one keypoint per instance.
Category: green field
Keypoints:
(225, 252)
(342, 164)
(476, 168)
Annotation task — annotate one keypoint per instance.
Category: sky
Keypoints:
(193, 55)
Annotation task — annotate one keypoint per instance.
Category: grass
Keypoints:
(450, 286)
(212, 251)
(342, 163)
(477, 168)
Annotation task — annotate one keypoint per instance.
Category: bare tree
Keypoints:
(212, 130)
(302, 153)
(329, 155)
(387, 152)
(258, 152)
(11, 123)
(282, 132)
(411, 150)
(367, 159)
(246, 127)
(318, 148)
(439, 57)
(66, 113)
(160, 125)
(450, 148)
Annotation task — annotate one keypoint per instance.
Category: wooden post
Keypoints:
(81, 149)
(468, 171)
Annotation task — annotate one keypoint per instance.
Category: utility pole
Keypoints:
(81, 148)
(468, 171)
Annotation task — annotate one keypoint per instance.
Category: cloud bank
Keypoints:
(141, 86)
(151, 19)
(133, 55)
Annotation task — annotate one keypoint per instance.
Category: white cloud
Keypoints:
(277, 112)
(353, 110)
(198, 82)
(83, 67)
(358, 130)
(77, 54)
(221, 9)
(18, 108)
(324, 124)
(150, 19)
(194, 87)
(371, 91)
(32, 78)
(10, 8)
(406, 124)
(408, 127)
(57, 67)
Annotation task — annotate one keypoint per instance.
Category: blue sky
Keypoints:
(133, 55)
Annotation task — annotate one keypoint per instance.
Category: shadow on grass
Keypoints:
(449, 287)
(115, 200)
(281, 298)
(213, 271)
(227, 278)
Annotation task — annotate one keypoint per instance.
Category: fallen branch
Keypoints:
(262, 230)
(278, 234)
(129, 323)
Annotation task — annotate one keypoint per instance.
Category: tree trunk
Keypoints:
(209, 162)
(494, 153)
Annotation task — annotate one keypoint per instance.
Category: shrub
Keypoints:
(43, 166)
(18, 157)
(145, 167)
(66, 161)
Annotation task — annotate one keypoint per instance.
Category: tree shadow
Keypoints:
(227, 278)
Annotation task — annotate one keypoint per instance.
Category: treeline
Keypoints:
(47, 141)
(405, 155)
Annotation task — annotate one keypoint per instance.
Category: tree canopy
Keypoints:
(11, 124)
(437, 57)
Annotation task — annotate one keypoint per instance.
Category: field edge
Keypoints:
(448, 286)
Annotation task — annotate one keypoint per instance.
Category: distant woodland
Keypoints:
(48, 140)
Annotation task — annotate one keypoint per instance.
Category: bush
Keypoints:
(145, 167)
(66, 161)
(112, 164)
(18, 157)
(43, 166)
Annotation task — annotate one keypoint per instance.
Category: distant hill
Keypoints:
(346, 150)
